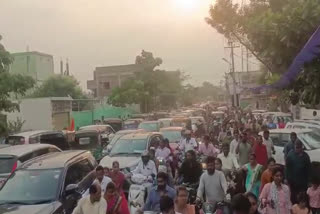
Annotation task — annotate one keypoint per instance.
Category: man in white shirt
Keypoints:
(269, 144)
(234, 143)
(101, 179)
(163, 151)
(188, 143)
(93, 203)
(146, 166)
(229, 161)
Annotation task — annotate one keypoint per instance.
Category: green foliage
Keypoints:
(15, 126)
(274, 31)
(60, 86)
(147, 61)
(10, 85)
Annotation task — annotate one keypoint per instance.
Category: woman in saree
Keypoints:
(117, 177)
(115, 203)
(253, 170)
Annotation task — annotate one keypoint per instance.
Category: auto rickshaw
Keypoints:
(115, 123)
(132, 123)
(184, 122)
(92, 140)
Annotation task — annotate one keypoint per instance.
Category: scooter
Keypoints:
(215, 208)
(138, 192)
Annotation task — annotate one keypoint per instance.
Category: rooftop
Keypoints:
(31, 53)
(119, 68)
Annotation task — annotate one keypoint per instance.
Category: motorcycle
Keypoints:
(215, 208)
(192, 191)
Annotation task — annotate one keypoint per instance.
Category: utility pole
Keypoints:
(232, 46)
(247, 60)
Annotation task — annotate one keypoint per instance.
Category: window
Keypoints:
(77, 172)
(106, 85)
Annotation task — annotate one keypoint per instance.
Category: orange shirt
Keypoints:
(266, 177)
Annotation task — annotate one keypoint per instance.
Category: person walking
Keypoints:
(92, 203)
(253, 170)
(314, 194)
(275, 196)
(260, 150)
(229, 161)
(116, 203)
(302, 205)
(269, 144)
(290, 145)
(266, 176)
(298, 167)
(243, 150)
(101, 179)
(254, 203)
(234, 143)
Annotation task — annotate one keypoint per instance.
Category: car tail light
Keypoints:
(15, 165)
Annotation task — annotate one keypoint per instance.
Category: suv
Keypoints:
(12, 157)
(49, 184)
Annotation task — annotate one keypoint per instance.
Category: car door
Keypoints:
(80, 173)
(278, 145)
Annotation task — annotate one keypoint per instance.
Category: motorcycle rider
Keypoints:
(212, 183)
(188, 143)
(190, 170)
(163, 152)
(153, 199)
(146, 166)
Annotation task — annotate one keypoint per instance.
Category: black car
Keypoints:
(49, 184)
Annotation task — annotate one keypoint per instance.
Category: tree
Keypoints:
(274, 31)
(10, 85)
(60, 86)
(147, 61)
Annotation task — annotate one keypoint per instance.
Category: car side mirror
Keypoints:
(71, 189)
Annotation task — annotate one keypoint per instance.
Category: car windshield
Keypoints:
(172, 135)
(129, 146)
(151, 127)
(312, 139)
(31, 186)
(6, 164)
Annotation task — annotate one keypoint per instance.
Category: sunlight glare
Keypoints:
(186, 5)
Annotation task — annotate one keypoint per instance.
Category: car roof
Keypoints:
(172, 128)
(19, 150)
(53, 160)
(152, 121)
(129, 131)
(95, 127)
(139, 135)
(303, 123)
(30, 133)
(288, 131)
(165, 119)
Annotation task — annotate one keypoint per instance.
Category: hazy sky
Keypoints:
(110, 32)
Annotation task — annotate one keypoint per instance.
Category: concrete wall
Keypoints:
(36, 112)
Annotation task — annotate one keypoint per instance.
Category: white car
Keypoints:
(309, 138)
(303, 125)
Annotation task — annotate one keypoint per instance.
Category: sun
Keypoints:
(186, 5)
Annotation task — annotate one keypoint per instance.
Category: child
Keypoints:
(302, 207)
(314, 195)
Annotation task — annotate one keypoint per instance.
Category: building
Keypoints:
(109, 77)
(38, 65)
(49, 113)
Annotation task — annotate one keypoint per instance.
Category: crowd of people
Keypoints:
(238, 167)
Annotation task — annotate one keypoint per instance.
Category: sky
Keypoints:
(93, 33)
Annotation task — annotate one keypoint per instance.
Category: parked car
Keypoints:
(55, 138)
(150, 126)
(309, 138)
(116, 137)
(132, 123)
(303, 125)
(104, 129)
(11, 157)
(49, 184)
(128, 149)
